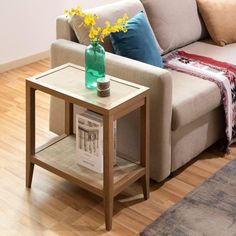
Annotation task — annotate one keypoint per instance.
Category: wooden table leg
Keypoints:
(145, 123)
(108, 150)
(68, 118)
(30, 133)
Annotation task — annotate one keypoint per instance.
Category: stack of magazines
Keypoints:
(89, 140)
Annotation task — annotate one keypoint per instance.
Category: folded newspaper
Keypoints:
(89, 140)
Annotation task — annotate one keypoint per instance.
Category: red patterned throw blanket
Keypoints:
(221, 73)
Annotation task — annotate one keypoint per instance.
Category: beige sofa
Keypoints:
(186, 112)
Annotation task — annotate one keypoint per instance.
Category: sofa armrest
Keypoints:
(64, 30)
(160, 83)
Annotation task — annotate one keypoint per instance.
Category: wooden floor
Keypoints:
(55, 207)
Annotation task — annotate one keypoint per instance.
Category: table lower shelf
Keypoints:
(60, 156)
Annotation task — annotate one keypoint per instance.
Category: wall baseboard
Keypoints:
(24, 61)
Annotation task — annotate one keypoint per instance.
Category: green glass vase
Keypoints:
(94, 64)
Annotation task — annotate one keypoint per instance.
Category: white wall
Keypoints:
(27, 27)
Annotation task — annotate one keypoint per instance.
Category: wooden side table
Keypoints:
(58, 155)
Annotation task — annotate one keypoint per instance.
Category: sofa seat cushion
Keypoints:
(194, 97)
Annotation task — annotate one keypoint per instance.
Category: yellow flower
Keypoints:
(120, 21)
(108, 24)
(82, 14)
(91, 34)
(89, 20)
(106, 31)
(98, 33)
(125, 16)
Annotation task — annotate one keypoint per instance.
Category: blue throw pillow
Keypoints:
(138, 42)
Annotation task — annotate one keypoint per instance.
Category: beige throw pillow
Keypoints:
(220, 19)
(110, 12)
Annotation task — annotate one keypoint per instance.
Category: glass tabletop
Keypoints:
(70, 80)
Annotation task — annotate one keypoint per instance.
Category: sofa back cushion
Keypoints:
(175, 23)
(110, 12)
